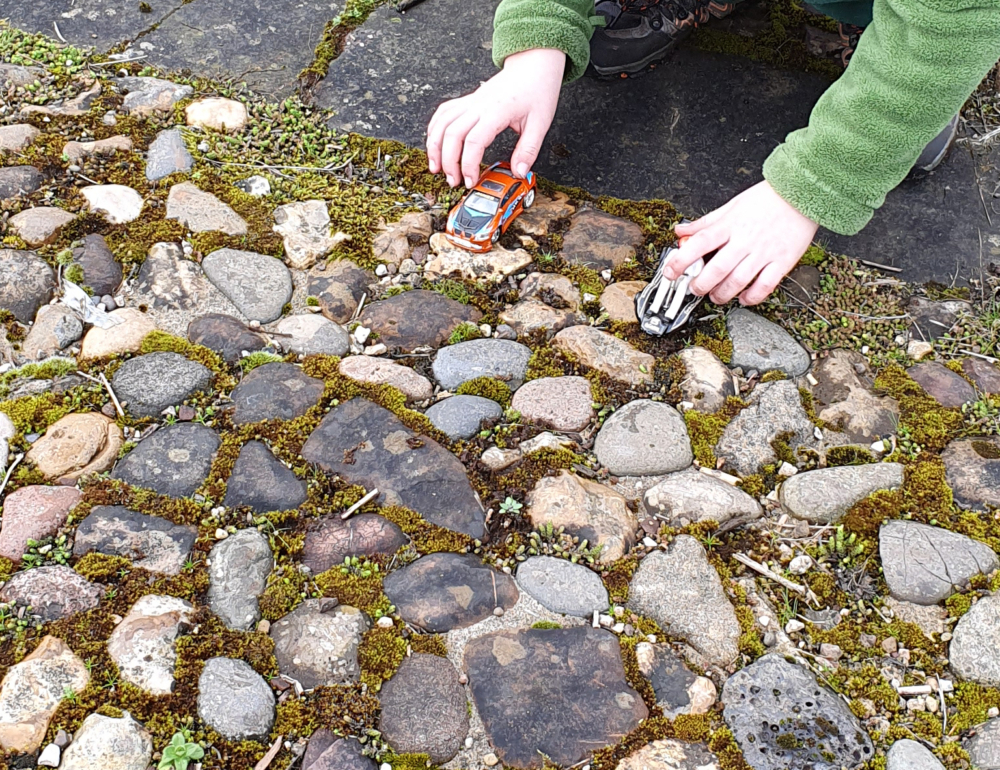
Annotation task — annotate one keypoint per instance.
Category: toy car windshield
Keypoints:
(482, 204)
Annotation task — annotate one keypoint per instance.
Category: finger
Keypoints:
(528, 146)
(442, 118)
(690, 228)
(766, 283)
(739, 278)
(717, 269)
(451, 147)
(695, 247)
(476, 142)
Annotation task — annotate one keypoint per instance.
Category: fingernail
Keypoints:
(468, 181)
(522, 169)
(451, 180)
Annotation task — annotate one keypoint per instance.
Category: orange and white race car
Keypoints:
(486, 211)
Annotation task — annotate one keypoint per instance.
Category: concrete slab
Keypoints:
(695, 131)
(265, 43)
(98, 23)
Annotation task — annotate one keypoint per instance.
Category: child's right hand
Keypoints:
(522, 96)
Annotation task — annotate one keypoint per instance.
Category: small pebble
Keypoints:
(468, 742)
(794, 626)
(62, 739)
(890, 645)
(463, 679)
(254, 324)
(376, 350)
(490, 760)
(50, 756)
(381, 271)
(264, 626)
(498, 611)
(831, 651)
(993, 713)
(221, 534)
(384, 622)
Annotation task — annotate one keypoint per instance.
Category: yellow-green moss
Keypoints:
(100, 567)
(931, 425)
(380, 654)
(705, 430)
(486, 387)
(867, 515)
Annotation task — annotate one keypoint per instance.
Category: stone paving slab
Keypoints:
(695, 131)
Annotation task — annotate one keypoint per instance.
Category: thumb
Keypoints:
(528, 147)
(690, 228)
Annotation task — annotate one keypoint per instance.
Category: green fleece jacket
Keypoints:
(915, 66)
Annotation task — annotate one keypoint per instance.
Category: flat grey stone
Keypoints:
(444, 591)
(503, 360)
(234, 700)
(26, 283)
(823, 496)
(424, 710)
(150, 542)
(325, 751)
(202, 212)
(695, 608)
(52, 592)
(318, 647)
(644, 438)
(264, 45)
(313, 335)
(843, 397)
(261, 481)
(338, 288)
(174, 461)
(19, 180)
(151, 383)
(678, 690)
(168, 155)
(972, 467)
(561, 586)
(147, 96)
(226, 335)
(100, 270)
(763, 345)
(974, 652)
(910, 755)
(926, 565)
(946, 387)
(275, 391)
(459, 417)
(366, 444)
(17, 75)
(690, 496)
(775, 409)
(984, 746)
(170, 281)
(258, 285)
(56, 328)
(783, 719)
(237, 577)
(102, 741)
(556, 692)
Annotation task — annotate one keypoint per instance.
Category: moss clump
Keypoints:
(588, 279)
(930, 425)
(424, 536)
(546, 624)
(706, 429)
(866, 516)
(429, 644)
(258, 358)
(617, 576)
(656, 218)
(775, 375)
(355, 590)
(720, 344)
(486, 387)
(99, 567)
(34, 414)
(464, 332)
(46, 370)
(815, 256)
(380, 654)
(849, 455)
(282, 594)
(452, 289)
(958, 604)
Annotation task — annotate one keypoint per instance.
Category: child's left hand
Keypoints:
(759, 238)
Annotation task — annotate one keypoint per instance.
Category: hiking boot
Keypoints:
(849, 36)
(635, 38)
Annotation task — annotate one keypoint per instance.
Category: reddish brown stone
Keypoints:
(32, 513)
(984, 374)
(416, 318)
(600, 241)
(942, 384)
(330, 540)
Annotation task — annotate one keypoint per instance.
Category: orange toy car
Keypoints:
(486, 211)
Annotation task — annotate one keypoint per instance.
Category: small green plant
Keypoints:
(258, 358)
(180, 752)
(204, 416)
(361, 567)
(510, 505)
(44, 551)
(549, 541)
(841, 549)
(464, 332)
(312, 301)
(69, 694)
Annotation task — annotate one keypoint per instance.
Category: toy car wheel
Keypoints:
(529, 199)
(496, 236)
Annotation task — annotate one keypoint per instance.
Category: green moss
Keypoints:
(486, 387)
(958, 604)
(45, 370)
(34, 414)
(424, 536)
(775, 375)
(546, 624)
(464, 332)
(380, 654)
(364, 593)
(100, 567)
(617, 576)
(867, 515)
(656, 218)
(815, 256)
(429, 644)
(929, 424)
(705, 430)
(258, 358)
(452, 289)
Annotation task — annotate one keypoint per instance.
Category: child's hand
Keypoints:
(522, 96)
(760, 238)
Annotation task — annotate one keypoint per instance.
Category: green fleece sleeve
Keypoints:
(913, 69)
(520, 25)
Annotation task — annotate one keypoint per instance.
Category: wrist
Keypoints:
(537, 61)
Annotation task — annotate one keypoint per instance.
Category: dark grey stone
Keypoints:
(763, 345)
(561, 586)
(16, 75)
(983, 373)
(339, 287)
(151, 383)
(644, 438)
(237, 577)
(984, 746)
(973, 471)
(503, 360)
(19, 180)
(317, 645)
(325, 751)
(366, 444)
(556, 692)
(670, 678)
(264, 44)
(931, 319)
(417, 318)
(226, 335)
(100, 270)
(275, 391)
(258, 285)
(150, 542)
(261, 481)
(443, 591)
(174, 461)
(234, 700)
(704, 116)
(167, 155)
(330, 540)
(424, 710)
(459, 417)
(926, 565)
(783, 719)
(26, 283)
(52, 592)
(910, 755)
